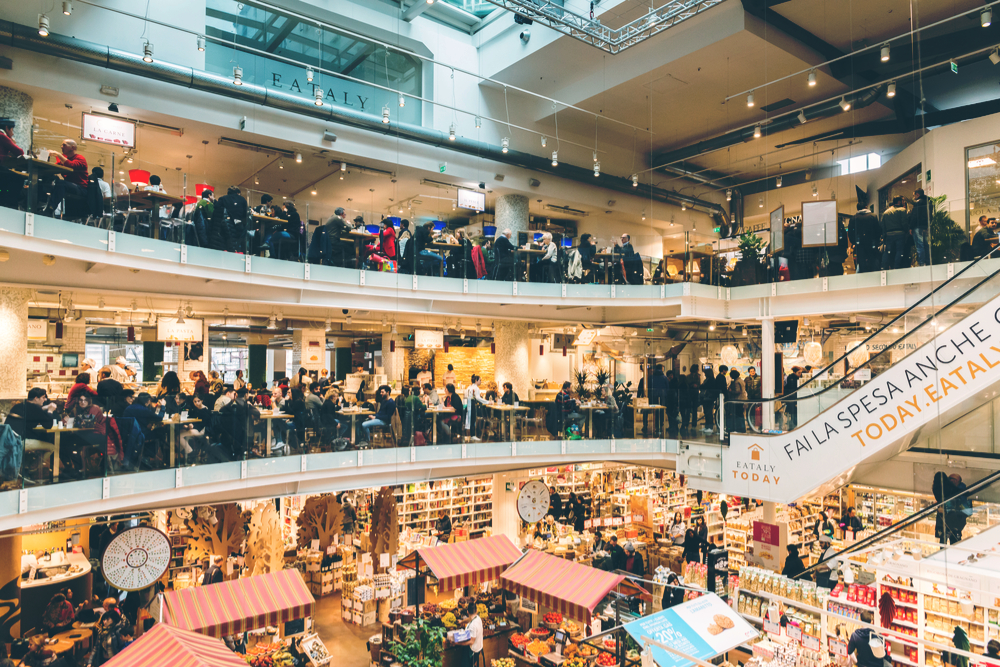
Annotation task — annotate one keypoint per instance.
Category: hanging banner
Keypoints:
(170, 330)
(424, 339)
(105, 130)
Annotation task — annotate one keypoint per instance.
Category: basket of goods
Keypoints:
(519, 641)
(610, 644)
(552, 620)
(607, 660)
(587, 652)
(429, 610)
(575, 661)
(502, 662)
(448, 605)
(538, 633)
(573, 629)
(537, 648)
(570, 650)
(449, 621)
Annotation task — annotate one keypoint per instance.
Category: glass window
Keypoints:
(983, 181)
(228, 360)
(251, 32)
(478, 8)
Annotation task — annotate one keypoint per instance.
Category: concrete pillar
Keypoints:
(767, 371)
(512, 214)
(770, 513)
(10, 592)
(15, 104)
(14, 342)
(513, 349)
(279, 367)
(308, 349)
(506, 520)
(393, 362)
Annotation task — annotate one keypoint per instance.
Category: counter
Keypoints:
(494, 646)
(36, 594)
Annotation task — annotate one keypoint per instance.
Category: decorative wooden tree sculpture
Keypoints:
(384, 535)
(265, 546)
(224, 537)
(321, 518)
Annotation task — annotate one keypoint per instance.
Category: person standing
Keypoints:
(689, 398)
(736, 393)
(443, 526)
(985, 239)
(708, 399)
(790, 397)
(919, 222)
(793, 563)
(677, 530)
(504, 264)
(549, 263)
(474, 624)
(672, 400)
(211, 573)
(239, 382)
(701, 530)
(866, 235)
(11, 185)
(894, 235)
(617, 553)
(721, 389)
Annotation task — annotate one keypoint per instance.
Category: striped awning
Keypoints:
(165, 646)
(239, 605)
(572, 589)
(466, 563)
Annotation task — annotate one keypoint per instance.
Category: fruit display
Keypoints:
(575, 661)
(571, 627)
(537, 648)
(587, 651)
(607, 660)
(538, 633)
(483, 611)
(502, 662)
(431, 609)
(277, 657)
(449, 620)
(518, 641)
(610, 644)
(448, 605)
(555, 618)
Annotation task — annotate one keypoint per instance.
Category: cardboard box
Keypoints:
(369, 606)
(357, 618)
(326, 589)
(359, 605)
(312, 566)
(368, 619)
(316, 589)
(326, 578)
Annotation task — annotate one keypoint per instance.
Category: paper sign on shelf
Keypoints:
(794, 632)
(771, 628)
(587, 523)
(366, 557)
(837, 647)
(810, 642)
(383, 560)
(314, 545)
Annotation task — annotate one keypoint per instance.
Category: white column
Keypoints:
(505, 517)
(512, 355)
(308, 349)
(393, 364)
(767, 371)
(14, 342)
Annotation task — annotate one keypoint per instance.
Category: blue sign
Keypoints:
(701, 628)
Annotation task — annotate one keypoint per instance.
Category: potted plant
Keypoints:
(601, 379)
(946, 236)
(582, 390)
(749, 267)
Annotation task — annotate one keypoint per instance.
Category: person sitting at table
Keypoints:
(459, 264)
(383, 417)
(336, 249)
(509, 397)
(427, 262)
(430, 396)
(82, 386)
(194, 437)
(238, 420)
(284, 240)
(224, 398)
(631, 261)
(156, 185)
(333, 423)
(385, 249)
(548, 264)
(403, 237)
(565, 413)
(74, 183)
(236, 204)
(58, 615)
(11, 185)
(448, 421)
(35, 411)
(145, 412)
(40, 655)
(109, 390)
(89, 417)
(492, 392)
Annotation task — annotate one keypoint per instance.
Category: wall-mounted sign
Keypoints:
(169, 330)
(425, 339)
(105, 130)
(37, 329)
(472, 200)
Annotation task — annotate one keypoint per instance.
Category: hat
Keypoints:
(8, 122)
(825, 539)
(629, 547)
(120, 360)
(90, 362)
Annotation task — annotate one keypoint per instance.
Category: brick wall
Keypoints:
(466, 360)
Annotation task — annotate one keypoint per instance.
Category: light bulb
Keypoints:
(313, 192)
(815, 191)
(200, 41)
(891, 92)
(643, 215)
(544, 141)
(756, 131)
(147, 52)
(281, 164)
(385, 114)
(595, 156)
(343, 166)
(711, 326)
(479, 122)
(844, 104)
(750, 100)
(402, 101)
(298, 157)
(986, 17)
(683, 206)
(812, 77)
(43, 25)
(597, 169)
(729, 195)
(237, 76)
(779, 181)
(885, 53)
(309, 74)
(504, 145)
(555, 158)
(635, 180)
(319, 96)
(451, 132)
(760, 203)
(67, 7)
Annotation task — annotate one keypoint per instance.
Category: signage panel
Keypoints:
(105, 130)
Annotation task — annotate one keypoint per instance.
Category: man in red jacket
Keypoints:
(75, 183)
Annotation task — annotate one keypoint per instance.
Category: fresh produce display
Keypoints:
(537, 648)
(503, 662)
(449, 604)
(449, 620)
(518, 640)
(575, 661)
(587, 651)
(570, 650)
(538, 633)
(429, 608)
(553, 617)
(607, 660)
(570, 627)
(610, 644)
(483, 611)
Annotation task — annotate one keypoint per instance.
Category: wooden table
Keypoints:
(34, 168)
(172, 444)
(607, 259)
(354, 415)
(434, 422)
(57, 433)
(151, 200)
(79, 639)
(268, 417)
(529, 253)
(590, 409)
(510, 411)
(637, 409)
(358, 237)
(444, 247)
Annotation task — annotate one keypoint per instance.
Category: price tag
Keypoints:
(383, 560)
(838, 647)
(771, 628)
(810, 642)
(314, 545)
(794, 632)
(587, 523)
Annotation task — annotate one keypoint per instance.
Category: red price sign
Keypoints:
(809, 642)
(794, 632)
(838, 647)
(587, 523)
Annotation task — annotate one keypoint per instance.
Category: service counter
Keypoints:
(74, 572)
(494, 646)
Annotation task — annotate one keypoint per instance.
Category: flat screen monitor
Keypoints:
(786, 331)
(372, 229)
(439, 225)
(567, 242)
(470, 199)
(70, 360)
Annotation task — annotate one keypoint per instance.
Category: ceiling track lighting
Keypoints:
(885, 53)
(635, 180)
(756, 131)
(67, 7)
(281, 164)
(343, 166)
(815, 191)
(779, 181)
(43, 25)
(812, 77)
(555, 158)
(643, 215)
(402, 101)
(750, 101)
(385, 114)
(986, 17)
(597, 169)
(504, 145)
(298, 158)
(802, 117)
(147, 52)
(451, 132)
(200, 41)
(319, 96)
(760, 203)
(545, 141)
(729, 195)
(237, 76)
(310, 74)
(595, 156)
(479, 122)
(891, 90)
(844, 104)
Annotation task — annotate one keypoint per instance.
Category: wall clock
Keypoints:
(136, 558)
(533, 501)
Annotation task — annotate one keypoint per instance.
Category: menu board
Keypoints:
(701, 628)
(777, 229)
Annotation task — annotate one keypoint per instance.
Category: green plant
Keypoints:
(421, 647)
(750, 247)
(946, 236)
(582, 390)
(601, 378)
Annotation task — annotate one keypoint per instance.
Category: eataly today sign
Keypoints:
(949, 373)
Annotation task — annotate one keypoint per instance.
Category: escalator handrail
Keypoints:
(888, 324)
(910, 520)
(796, 397)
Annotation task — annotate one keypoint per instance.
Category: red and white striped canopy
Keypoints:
(466, 563)
(165, 646)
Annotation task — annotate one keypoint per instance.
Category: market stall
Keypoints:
(167, 646)
(239, 605)
(465, 563)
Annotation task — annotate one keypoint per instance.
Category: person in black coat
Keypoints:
(918, 221)
(866, 235)
(555, 505)
(793, 563)
(617, 553)
(701, 533)
(673, 594)
(211, 573)
(692, 551)
(633, 561)
(504, 263)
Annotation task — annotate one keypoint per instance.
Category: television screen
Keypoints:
(70, 360)
(786, 331)
(471, 199)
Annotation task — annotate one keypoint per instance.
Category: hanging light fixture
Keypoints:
(43, 25)
(319, 96)
(597, 169)
(385, 114)
(402, 101)
(298, 158)
(885, 53)
(504, 145)
(891, 92)
(309, 74)
(844, 104)
(180, 315)
(812, 77)
(802, 117)
(479, 122)
(644, 214)
(756, 131)
(815, 191)
(986, 17)
(729, 195)
(684, 206)
(778, 182)
(711, 326)
(635, 180)
(281, 164)
(760, 203)
(750, 99)
(237, 76)
(544, 141)
(147, 52)
(200, 41)
(595, 156)
(555, 158)
(451, 132)
(67, 7)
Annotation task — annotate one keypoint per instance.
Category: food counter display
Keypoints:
(42, 578)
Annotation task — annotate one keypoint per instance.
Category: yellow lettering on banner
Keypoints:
(987, 361)
(957, 373)
(868, 431)
(929, 390)
(900, 410)
(913, 403)
(887, 427)
(776, 479)
(858, 436)
(945, 384)
(974, 368)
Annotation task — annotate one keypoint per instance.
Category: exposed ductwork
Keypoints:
(27, 38)
(779, 124)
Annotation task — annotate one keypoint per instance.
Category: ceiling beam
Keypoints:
(281, 35)
(416, 9)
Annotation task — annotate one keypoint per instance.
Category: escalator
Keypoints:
(896, 390)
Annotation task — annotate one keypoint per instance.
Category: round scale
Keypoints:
(136, 558)
(533, 501)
